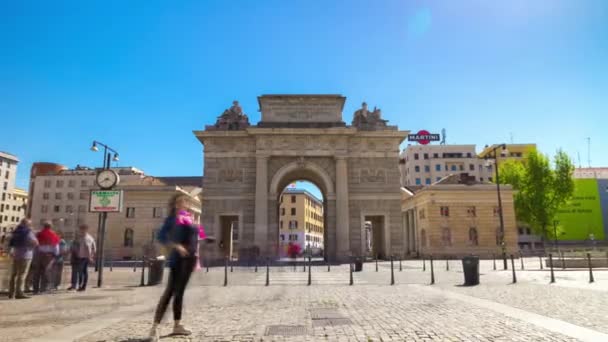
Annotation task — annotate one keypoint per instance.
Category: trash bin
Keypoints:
(156, 269)
(470, 267)
(358, 264)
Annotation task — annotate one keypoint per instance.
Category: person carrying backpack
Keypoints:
(22, 244)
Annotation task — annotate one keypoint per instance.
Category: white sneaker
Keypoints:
(154, 335)
(180, 330)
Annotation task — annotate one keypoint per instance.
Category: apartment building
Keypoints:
(13, 200)
(301, 221)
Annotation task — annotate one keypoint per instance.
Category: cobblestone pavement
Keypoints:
(331, 310)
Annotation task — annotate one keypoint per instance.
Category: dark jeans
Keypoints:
(80, 273)
(57, 272)
(43, 271)
(176, 286)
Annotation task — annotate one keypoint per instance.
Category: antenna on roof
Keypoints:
(443, 136)
(589, 151)
(511, 136)
(579, 159)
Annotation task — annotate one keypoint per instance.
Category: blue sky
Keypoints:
(141, 75)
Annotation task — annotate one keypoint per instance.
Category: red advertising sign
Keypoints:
(423, 137)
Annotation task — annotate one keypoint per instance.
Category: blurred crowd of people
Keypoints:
(37, 259)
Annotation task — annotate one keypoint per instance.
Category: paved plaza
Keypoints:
(330, 309)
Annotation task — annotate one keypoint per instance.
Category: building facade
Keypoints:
(427, 164)
(513, 152)
(301, 222)
(458, 216)
(302, 137)
(13, 200)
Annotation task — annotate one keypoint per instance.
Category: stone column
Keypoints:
(261, 204)
(342, 229)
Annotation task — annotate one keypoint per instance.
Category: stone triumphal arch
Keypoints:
(302, 137)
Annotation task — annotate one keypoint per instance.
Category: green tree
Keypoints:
(540, 189)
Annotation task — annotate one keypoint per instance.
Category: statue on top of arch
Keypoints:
(232, 119)
(366, 120)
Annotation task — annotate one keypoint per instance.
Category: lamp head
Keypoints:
(94, 147)
(115, 157)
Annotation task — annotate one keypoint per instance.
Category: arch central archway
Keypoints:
(313, 173)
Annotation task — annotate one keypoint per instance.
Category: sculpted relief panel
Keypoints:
(301, 143)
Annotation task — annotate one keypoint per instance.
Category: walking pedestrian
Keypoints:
(48, 249)
(180, 236)
(22, 244)
(74, 247)
(83, 251)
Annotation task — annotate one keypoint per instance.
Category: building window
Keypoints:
(435, 155)
(461, 167)
(281, 224)
(83, 183)
(68, 222)
(282, 211)
(469, 155)
(427, 181)
(130, 212)
(481, 179)
(427, 168)
(5, 185)
(453, 167)
(473, 238)
(520, 231)
(69, 209)
(71, 183)
(128, 238)
(418, 182)
(57, 208)
(59, 184)
(293, 211)
(44, 209)
(528, 231)
(58, 195)
(282, 236)
(446, 237)
(417, 168)
(471, 212)
(489, 179)
(293, 199)
(70, 195)
(438, 179)
(47, 183)
(438, 167)
(426, 156)
(423, 238)
(293, 224)
(45, 195)
(416, 156)
(83, 195)
(471, 167)
(6, 175)
(81, 208)
(157, 212)
(444, 211)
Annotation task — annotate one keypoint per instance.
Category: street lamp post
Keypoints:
(107, 151)
(555, 223)
(500, 216)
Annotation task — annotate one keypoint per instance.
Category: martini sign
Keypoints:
(105, 201)
(423, 137)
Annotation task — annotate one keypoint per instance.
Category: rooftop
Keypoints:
(292, 191)
(9, 156)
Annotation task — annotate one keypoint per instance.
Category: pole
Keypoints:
(494, 261)
(540, 260)
(267, 271)
(102, 238)
(500, 216)
(309, 276)
(563, 261)
(591, 279)
(256, 265)
(376, 262)
(551, 265)
(328, 267)
(447, 264)
(521, 259)
(554, 234)
(513, 269)
(423, 264)
(141, 282)
(231, 266)
(350, 264)
(432, 271)
(400, 268)
(226, 271)
(392, 272)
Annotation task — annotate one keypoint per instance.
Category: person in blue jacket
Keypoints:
(179, 235)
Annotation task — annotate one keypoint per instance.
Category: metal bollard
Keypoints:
(551, 265)
(376, 262)
(494, 261)
(423, 264)
(513, 269)
(111, 264)
(447, 264)
(134, 266)
(231, 264)
(207, 267)
(304, 265)
(521, 259)
(328, 266)
(540, 260)
(309, 276)
(226, 272)
(392, 272)
(591, 279)
(432, 270)
(350, 264)
(256, 265)
(400, 268)
(563, 261)
(143, 265)
(267, 271)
